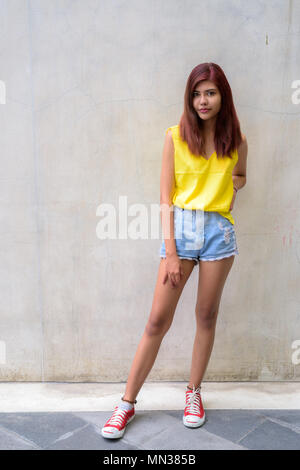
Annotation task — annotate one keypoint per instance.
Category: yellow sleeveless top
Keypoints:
(201, 183)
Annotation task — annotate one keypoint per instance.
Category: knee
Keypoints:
(156, 326)
(206, 317)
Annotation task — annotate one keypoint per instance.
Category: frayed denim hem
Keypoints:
(183, 257)
(220, 257)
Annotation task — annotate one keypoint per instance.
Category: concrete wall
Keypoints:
(90, 88)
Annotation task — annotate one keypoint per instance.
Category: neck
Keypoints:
(209, 128)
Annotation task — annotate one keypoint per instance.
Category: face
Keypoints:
(207, 96)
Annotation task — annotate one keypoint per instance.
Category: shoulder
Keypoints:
(171, 135)
(244, 142)
(242, 149)
(172, 130)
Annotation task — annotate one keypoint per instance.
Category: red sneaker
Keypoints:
(194, 415)
(116, 424)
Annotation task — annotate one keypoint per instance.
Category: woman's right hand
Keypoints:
(174, 270)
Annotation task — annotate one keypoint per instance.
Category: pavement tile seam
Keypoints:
(265, 418)
(131, 444)
(253, 428)
(200, 430)
(290, 426)
(293, 427)
(227, 440)
(20, 436)
(243, 427)
(67, 435)
(211, 436)
(267, 438)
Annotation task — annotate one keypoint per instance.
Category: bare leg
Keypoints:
(212, 277)
(160, 319)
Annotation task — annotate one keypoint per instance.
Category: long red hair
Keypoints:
(227, 133)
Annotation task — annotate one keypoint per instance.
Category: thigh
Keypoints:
(219, 238)
(166, 297)
(212, 277)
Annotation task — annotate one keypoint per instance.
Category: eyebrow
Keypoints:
(209, 89)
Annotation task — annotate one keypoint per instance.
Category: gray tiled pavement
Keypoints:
(153, 430)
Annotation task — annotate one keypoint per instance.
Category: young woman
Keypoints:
(203, 167)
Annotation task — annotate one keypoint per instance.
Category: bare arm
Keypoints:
(167, 188)
(240, 169)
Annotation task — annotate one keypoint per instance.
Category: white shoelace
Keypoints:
(193, 401)
(118, 417)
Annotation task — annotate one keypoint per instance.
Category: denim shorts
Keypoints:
(202, 235)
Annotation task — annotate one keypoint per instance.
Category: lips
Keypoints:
(204, 109)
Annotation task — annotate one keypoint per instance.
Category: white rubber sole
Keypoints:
(195, 424)
(114, 434)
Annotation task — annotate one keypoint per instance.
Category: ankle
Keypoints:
(128, 401)
(191, 388)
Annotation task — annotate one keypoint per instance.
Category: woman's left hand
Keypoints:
(233, 199)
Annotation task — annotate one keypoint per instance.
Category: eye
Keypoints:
(195, 93)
